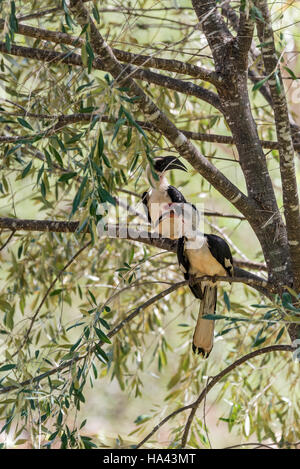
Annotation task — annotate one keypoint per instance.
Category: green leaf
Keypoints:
(13, 22)
(9, 319)
(74, 139)
(264, 44)
(214, 317)
(290, 72)
(40, 174)
(227, 301)
(56, 292)
(43, 189)
(24, 123)
(8, 367)
(257, 343)
(277, 81)
(104, 358)
(74, 347)
(26, 170)
(78, 195)
(100, 145)
(256, 14)
(105, 196)
(5, 306)
(102, 336)
(106, 160)
(118, 124)
(59, 418)
(93, 297)
(280, 334)
(60, 143)
(53, 435)
(134, 123)
(142, 419)
(259, 84)
(95, 12)
(65, 177)
(56, 155)
(91, 56)
(104, 323)
(7, 43)
(82, 87)
(84, 55)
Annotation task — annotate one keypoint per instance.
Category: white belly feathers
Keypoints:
(202, 262)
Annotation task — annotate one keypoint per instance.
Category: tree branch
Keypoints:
(244, 35)
(233, 93)
(114, 331)
(128, 233)
(194, 405)
(67, 119)
(50, 56)
(170, 65)
(159, 119)
(27, 334)
(217, 34)
(284, 137)
(7, 241)
(218, 377)
(233, 18)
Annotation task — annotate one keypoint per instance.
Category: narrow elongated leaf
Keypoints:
(260, 83)
(26, 170)
(290, 72)
(102, 336)
(8, 367)
(78, 195)
(227, 301)
(24, 123)
(67, 176)
(100, 146)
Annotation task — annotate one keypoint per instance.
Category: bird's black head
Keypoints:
(166, 163)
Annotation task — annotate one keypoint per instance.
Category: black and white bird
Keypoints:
(159, 199)
(200, 255)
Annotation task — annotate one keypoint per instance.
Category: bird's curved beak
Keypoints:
(167, 163)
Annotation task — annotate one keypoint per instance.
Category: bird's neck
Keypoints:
(160, 184)
(195, 239)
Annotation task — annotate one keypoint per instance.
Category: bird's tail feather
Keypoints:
(204, 331)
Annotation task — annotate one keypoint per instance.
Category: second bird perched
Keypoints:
(198, 254)
(201, 255)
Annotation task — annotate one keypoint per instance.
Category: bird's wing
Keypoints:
(145, 198)
(185, 267)
(175, 195)
(221, 252)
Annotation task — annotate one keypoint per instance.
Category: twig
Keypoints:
(47, 293)
(181, 86)
(114, 331)
(148, 61)
(263, 445)
(7, 241)
(122, 232)
(68, 119)
(194, 405)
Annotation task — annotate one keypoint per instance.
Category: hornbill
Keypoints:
(161, 196)
(200, 255)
